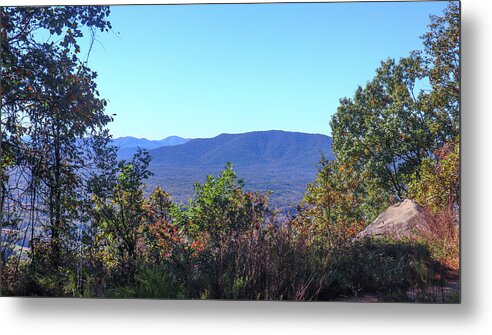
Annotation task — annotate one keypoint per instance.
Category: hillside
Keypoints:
(277, 161)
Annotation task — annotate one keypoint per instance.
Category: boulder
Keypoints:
(404, 219)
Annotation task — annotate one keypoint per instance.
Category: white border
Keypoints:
(60, 316)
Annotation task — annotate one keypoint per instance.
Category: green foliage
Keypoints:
(381, 132)
(118, 219)
(49, 96)
(214, 221)
(332, 205)
(221, 208)
(438, 187)
(383, 267)
(442, 66)
(149, 284)
(387, 130)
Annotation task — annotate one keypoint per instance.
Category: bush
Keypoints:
(150, 284)
(378, 266)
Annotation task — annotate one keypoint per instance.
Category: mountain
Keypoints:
(257, 148)
(128, 145)
(278, 161)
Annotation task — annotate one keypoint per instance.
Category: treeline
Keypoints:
(75, 221)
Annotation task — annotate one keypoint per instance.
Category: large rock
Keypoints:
(404, 219)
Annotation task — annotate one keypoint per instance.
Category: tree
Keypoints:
(381, 132)
(388, 129)
(119, 219)
(221, 207)
(331, 210)
(438, 187)
(28, 61)
(49, 106)
(441, 65)
(214, 221)
(160, 232)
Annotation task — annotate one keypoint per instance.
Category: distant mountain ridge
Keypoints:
(128, 145)
(274, 147)
(278, 161)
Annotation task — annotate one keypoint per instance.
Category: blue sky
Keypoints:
(201, 70)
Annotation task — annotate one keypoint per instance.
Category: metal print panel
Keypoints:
(293, 151)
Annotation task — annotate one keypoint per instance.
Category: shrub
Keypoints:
(383, 267)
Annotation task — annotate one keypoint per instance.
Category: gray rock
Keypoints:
(404, 219)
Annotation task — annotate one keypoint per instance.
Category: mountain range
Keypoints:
(128, 145)
(275, 161)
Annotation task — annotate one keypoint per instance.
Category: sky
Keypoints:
(197, 71)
